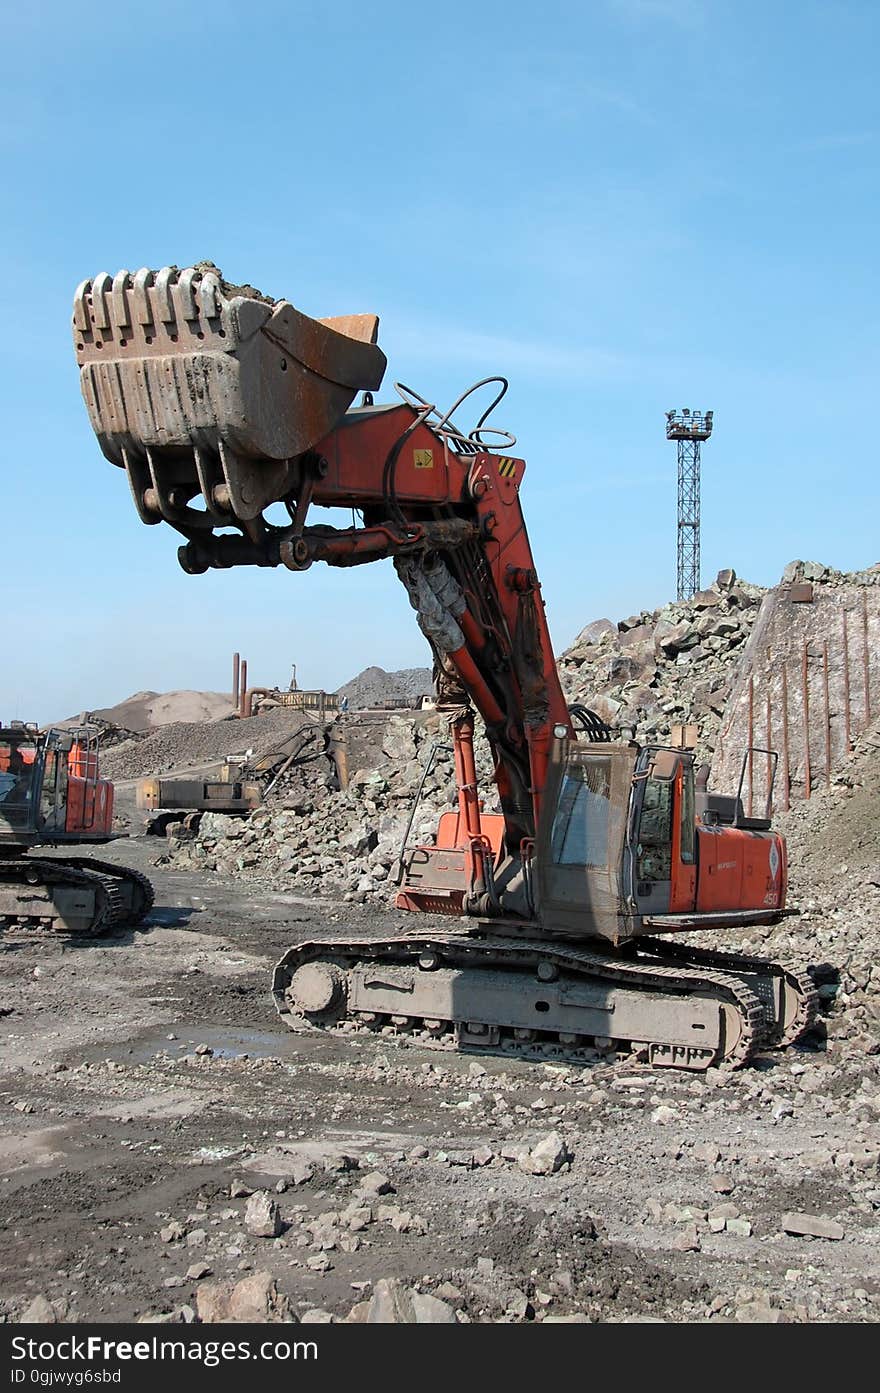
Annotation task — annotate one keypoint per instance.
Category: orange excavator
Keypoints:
(571, 905)
(51, 794)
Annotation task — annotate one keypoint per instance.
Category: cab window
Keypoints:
(655, 832)
(580, 825)
(688, 830)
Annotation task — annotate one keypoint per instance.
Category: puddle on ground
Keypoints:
(228, 1042)
(225, 1043)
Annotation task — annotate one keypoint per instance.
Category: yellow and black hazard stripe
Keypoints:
(507, 468)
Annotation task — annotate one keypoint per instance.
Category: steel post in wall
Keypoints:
(827, 713)
(786, 766)
(751, 740)
(866, 660)
(847, 733)
(769, 745)
(805, 689)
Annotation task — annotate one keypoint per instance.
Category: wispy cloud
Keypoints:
(544, 92)
(845, 140)
(494, 353)
(687, 14)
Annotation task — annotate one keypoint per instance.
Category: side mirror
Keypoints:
(664, 766)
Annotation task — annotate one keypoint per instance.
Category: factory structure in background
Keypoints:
(689, 429)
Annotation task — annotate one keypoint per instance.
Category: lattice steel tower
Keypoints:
(690, 429)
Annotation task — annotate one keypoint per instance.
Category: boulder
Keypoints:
(640, 633)
(593, 633)
(39, 1312)
(262, 1216)
(394, 1304)
(547, 1157)
(812, 1225)
(675, 638)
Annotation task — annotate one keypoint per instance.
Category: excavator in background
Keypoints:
(570, 904)
(51, 794)
(234, 788)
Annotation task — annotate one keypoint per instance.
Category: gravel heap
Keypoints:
(666, 666)
(374, 686)
(144, 711)
(199, 743)
(108, 733)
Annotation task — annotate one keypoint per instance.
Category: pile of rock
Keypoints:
(108, 733)
(645, 674)
(331, 842)
(187, 744)
(665, 667)
(375, 687)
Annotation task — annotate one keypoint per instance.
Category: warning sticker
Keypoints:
(423, 459)
(507, 468)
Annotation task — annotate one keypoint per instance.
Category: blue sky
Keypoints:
(622, 205)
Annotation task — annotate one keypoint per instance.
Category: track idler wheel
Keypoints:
(317, 992)
(800, 1010)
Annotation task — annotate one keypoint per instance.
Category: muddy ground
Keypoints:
(113, 1128)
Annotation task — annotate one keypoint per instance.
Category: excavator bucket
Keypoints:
(195, 386)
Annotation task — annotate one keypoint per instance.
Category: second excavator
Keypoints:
(51, 794)
(569, 905)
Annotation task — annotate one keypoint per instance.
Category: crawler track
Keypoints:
(74, 895)
(533, 999)
(793, 996)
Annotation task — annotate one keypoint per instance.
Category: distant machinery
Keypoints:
(689, 429)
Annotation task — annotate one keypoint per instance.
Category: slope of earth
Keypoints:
(147, 1087)
(834, 885)
(145, 711)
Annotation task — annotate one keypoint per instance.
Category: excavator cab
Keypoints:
(21, 776)
(617, 842)
(49, 787)
(627, 846)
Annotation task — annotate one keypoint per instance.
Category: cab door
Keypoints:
(581, 838)
(663, 838)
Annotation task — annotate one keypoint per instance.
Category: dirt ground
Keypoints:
(113, 1128)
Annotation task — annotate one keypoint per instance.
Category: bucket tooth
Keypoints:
(101, 287)
(143, 311)
(185, 296)
(164, 281)
(208, 296)
(81, 318)
(121, 283)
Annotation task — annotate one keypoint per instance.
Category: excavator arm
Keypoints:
(219, 403)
